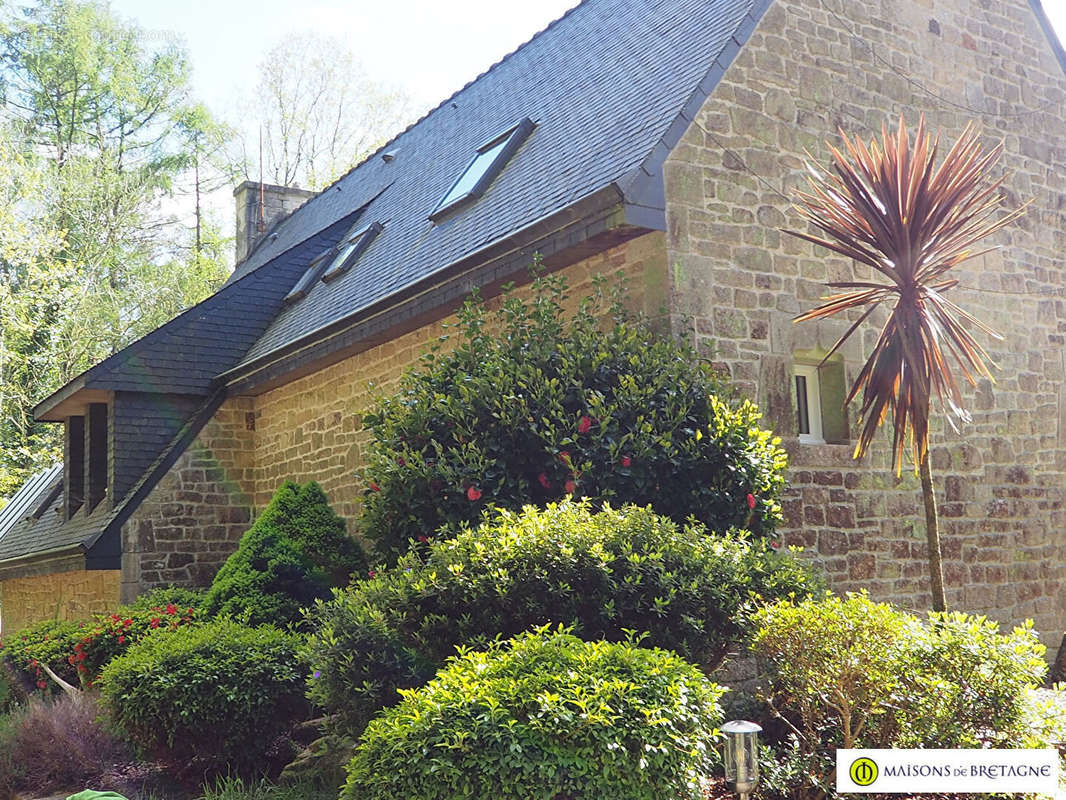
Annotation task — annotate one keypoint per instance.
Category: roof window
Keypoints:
(307, 280)
(350, 249)
(484, 167)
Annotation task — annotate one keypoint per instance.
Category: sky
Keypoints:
(428, 48)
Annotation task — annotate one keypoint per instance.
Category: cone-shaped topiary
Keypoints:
(294, 553)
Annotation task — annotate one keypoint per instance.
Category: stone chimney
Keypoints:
(258, 212)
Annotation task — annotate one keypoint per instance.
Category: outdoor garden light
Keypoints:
(741, 756)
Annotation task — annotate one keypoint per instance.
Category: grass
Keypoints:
(236, 789)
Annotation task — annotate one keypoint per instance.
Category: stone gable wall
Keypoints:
(809, 67)
(194, 517)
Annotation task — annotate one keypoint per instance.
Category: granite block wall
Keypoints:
(811, 67)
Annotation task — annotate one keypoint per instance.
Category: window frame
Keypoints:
(358, 241)
(310, 276)
(513, 136)
(812, 397)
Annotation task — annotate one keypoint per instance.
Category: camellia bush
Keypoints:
(606, 574)
(852, 673)
(531, 406)
(546, 716)
(294, 553)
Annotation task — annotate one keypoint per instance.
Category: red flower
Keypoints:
(775, 544)
(423, 538)
(154, 623)
(126, 623)
(543, 479)
(473, 494)
(751, 500)
(371, 574)
(121, 639)
(41, 684)
(570, 487)
(172, 609)
(584, 425)
(627, 461)
(564, 456)
(401, 462)
(374, 487)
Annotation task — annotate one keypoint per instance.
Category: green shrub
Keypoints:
(530, 407)
(848, 672)
(49, 642)
(217, 695)
(603, 573)
(541, 717)
(182, 597)
(293, 554)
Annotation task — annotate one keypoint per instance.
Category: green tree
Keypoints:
(893, 210)
(98, 126)
(318, 113)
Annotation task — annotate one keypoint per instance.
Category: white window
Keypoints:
(808, 404)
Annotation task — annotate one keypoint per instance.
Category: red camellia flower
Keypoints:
(41, 684)
(401, 462)
(374, 487)
(627, 461)
(172, 609)
(473, 494)
(584, 424)
(154, 623)
(121, 639)
(564, 456)
(371, 574)
(570, 487)
(751, 500)
(543, 479)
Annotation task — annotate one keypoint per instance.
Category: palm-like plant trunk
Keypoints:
(932, 536)
(890, 208)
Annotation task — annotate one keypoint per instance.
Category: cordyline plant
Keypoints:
(891, 208)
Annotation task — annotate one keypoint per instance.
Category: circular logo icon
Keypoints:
(863, 771)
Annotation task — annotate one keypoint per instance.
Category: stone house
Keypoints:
(659, 138)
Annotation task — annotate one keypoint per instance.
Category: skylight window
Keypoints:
(350, 249)
(483, 168)
(307, 280)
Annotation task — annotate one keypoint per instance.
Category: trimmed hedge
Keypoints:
(294, 553)
(603, 573)
(542, 717)
(217, 695)
(531, 406)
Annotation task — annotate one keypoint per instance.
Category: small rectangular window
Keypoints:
(350, 249)
(487, 163)
(808, 404)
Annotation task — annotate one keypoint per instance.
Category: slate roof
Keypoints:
(28, 499)
(604, 84)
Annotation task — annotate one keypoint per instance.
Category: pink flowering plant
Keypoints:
(533, 404)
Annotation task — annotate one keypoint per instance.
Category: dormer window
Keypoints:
(350, 249)
(487, 163)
